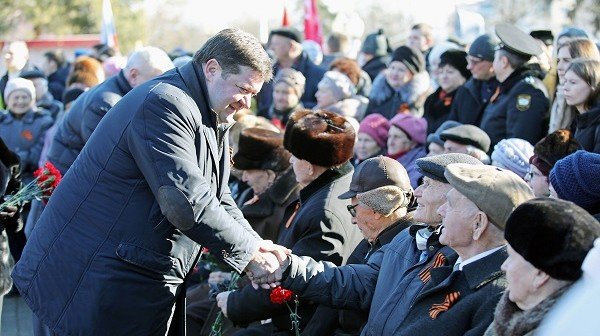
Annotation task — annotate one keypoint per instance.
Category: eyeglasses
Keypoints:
(352, 209)
(473, 61)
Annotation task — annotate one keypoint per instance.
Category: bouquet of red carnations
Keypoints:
(41, 187)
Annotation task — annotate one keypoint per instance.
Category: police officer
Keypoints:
(520, 103)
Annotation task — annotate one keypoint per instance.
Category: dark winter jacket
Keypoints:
(587, 130)
(111, 251)
(519, 109)
(375, 66)
(470, 100)
(437, 108)
(86, 112)
(321, 229)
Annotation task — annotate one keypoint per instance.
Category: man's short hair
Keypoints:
(56, 56)
(515, 61)
(425, 29)
(233, 48)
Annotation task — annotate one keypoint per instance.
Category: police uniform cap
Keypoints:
(516, 41)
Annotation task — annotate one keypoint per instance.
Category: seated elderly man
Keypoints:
(548, 239)
(457, 303)
(467, 139)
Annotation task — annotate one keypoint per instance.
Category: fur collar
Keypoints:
(382, 91)
(510, 320)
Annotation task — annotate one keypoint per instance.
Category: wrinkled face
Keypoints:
(417, 40)
(397, 74)
(258, 179)
(538, 182)
(430, 196)
(365, 146)
(41, 87)
(576, 90)
(284, 97)
(398, 141)
(302, 170)
(19, 102)
(449, 78)
(563, 61)
(15, 56)
(435, 149)
(280, 46)
(480, 69)
(366, 220)
(325, 97)
(520, 276)
(232, 92)
(454, 147)
(459, 217)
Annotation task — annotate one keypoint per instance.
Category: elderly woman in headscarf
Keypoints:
(337, 93)
(288, 87)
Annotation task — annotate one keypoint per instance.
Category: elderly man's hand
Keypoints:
(265, 265)
(9, 211)
(222, 301)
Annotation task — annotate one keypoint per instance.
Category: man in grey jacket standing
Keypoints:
(112, 251)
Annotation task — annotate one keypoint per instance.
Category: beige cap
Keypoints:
(495, 191)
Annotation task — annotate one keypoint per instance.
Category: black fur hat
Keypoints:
(553, 235)
(261, 149)
(320, 137)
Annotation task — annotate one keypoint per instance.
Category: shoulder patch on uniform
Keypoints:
(523, 102)
(529, 80)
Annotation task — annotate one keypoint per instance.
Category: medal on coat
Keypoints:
(523, 102)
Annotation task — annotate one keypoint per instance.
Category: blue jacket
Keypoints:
(86, 112)
(313, 74)
(116, 241)
(366, 287)
(25, 136)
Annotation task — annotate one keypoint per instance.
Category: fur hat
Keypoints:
(412, 58)
(294, 78)
(553, 235)
(552, 148)
(376, 126)
(513, 154)
(456, 59)
(376, 44)
(18, 83)
(382, 184)
(340, 85)
(576, 178)
(261, 149)
(495, 191)
(414, 127)
(320, 137)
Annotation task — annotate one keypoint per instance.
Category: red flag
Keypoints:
(286, 21)
(312, 24)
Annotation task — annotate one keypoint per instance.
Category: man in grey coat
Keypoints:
(112, 251)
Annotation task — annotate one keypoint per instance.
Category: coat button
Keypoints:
(431, 248)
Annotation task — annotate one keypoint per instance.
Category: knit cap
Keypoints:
(18, 83)
(294, 78)
(412, 58)
(376, 126)
(576, 178)
(513, 154)
(340, 85)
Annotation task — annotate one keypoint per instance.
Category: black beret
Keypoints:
(468, 135)
(434, 166)
(289, 32)
(553, 235)
(31, 74)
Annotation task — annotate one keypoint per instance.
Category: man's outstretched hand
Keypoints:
(265, 268)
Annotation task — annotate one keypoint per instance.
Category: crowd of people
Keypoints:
(435, 188)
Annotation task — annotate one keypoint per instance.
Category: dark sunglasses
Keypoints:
(351, 209)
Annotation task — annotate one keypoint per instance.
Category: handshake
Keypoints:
(268, 264)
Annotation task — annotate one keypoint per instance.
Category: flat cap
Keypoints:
(434, 166)
(495, 191)
(376, 172)
(435, 136)
(516, 41)
(289, 32)
(468, 135)
(553, 235)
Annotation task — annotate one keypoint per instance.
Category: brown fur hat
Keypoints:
(261, 149)
(552, 148)
(320, 137)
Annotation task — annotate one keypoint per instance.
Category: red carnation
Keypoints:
(281, 295)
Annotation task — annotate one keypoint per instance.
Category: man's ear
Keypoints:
(211, 69)
(481, 223)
